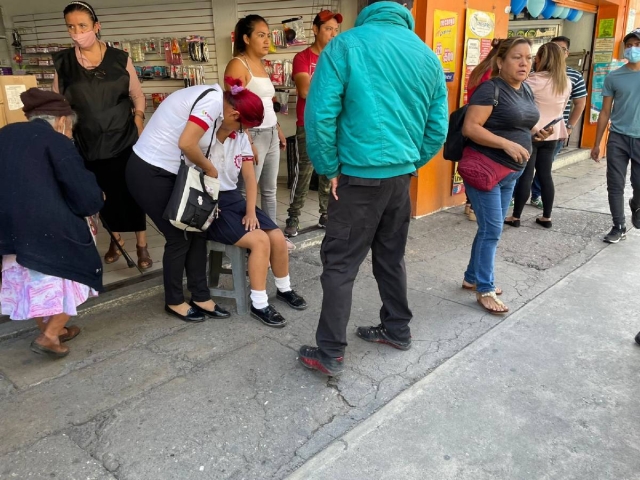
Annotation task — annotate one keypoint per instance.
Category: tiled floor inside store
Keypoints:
(119, 272)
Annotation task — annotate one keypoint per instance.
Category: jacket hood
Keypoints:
(389, 13)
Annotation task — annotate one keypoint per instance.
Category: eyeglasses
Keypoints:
(564, 49)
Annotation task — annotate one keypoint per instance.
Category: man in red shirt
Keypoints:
(325, 28)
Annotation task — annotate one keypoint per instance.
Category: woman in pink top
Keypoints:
(102, 87)
(551, 88)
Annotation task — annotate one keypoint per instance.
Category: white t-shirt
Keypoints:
(228, 159)
(158, 144)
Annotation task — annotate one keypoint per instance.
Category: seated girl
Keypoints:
(240, 222)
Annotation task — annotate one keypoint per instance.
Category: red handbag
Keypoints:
(480, 171)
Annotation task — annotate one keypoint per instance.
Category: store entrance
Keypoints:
(581, 34)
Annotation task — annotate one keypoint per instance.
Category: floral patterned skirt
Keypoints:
(27, 294)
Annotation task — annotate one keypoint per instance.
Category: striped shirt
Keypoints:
(578, 90)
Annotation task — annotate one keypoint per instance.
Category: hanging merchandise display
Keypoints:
(294, 33)
(282, 102)
(198, 48)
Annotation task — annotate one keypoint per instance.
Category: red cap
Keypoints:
(325, 15)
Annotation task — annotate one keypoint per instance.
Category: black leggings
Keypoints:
(151, 187)
(540, 161)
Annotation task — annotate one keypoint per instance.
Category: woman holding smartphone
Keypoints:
(551, 89)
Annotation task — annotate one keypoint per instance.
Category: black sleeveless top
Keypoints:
(101, 99)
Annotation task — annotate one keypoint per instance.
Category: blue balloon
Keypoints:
(556, 11)
(578, 16)
(535, 7)
(548, 9)
(564, 13)
(517, 6)
(573, 13)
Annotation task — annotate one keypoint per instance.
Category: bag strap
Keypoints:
(200, 97)
(496, 93)
(528, 90)
(213, 135)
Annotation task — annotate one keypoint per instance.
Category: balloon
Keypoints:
(517, 6)
(574, 15)
(564, 13)
(556, 11)
(547, 11)
(535, 7)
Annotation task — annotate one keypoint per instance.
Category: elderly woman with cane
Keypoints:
(50, 264)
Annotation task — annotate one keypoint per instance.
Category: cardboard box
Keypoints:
(11, 86)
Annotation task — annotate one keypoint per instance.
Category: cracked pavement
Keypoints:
(142, 396)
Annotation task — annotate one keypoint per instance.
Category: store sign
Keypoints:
(479, 32)
(603, 64)
(445, 34)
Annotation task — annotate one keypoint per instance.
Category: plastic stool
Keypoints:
(238, 257)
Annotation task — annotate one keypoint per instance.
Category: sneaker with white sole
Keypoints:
(291, 230)
(537, 202)
(617, 233)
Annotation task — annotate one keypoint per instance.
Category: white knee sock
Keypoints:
(259, 299)
(283, 284)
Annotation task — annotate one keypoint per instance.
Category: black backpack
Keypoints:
(455, 142)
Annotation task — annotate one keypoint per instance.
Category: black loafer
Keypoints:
(218, 311)
(269, 316)
(191, 316)
(292, 299)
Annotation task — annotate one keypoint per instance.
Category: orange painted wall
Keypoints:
(431, 191)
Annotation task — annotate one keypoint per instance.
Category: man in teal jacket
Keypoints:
(376, 112)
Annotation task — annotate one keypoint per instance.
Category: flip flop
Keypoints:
(495, 299)
(72, 332)
(42, 350)
(473, 288)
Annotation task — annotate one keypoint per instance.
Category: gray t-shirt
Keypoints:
(623, 85)
(513, 118)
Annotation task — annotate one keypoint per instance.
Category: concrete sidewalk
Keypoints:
(144, 396)
(553, 393)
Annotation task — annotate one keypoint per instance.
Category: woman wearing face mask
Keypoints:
(50, 264)
(251, 46)
(101, 85)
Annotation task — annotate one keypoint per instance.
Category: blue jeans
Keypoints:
(536, 189)
(491, 209)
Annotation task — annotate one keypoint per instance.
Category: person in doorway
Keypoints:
(499, 134)
(621, 105)
(179, 126)
(240, 222)
(252, 40)
(551, 88)
(480, 74)
(572, 112)
(369, 134)
(102, 87)
(325, 28)
(50, 264)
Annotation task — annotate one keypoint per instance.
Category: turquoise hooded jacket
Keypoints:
(377, 106)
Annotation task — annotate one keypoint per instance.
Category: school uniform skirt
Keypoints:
(228, 227)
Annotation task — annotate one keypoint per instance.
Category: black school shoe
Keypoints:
(292, 299)
(269, 316)
(314, 359)
(380, 335)
(218, 311)
(191, 316)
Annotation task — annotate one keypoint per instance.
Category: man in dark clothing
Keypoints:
(369, 134)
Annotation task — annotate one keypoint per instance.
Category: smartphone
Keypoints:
(551, 123)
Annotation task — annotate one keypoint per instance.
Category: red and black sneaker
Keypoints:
(314, 359)
(380, 335)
